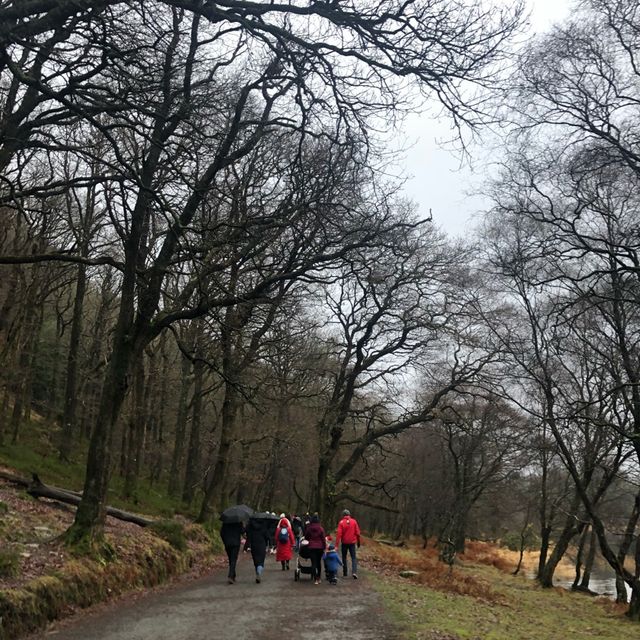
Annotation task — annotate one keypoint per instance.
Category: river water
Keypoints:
(601, 583)
(603, 586)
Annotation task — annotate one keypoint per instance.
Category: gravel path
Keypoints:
(209, 609)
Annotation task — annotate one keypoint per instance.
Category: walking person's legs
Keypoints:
(343, 550)
(232, 554)
(354, 560)
(258, 563)
(316, 561)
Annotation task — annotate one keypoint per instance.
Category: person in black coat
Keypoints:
(231, 534)
(272, 526)
(296, 526)
(257, 541)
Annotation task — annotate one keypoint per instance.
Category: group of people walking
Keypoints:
(290, 534)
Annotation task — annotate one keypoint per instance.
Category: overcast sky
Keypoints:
(436, 181)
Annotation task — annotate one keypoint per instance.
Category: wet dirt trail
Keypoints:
(209, 608)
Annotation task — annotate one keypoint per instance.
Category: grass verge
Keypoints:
(482, 602)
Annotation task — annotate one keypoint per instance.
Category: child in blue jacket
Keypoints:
(331, 563)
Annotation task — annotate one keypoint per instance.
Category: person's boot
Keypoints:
(287, 565)
(284, 566)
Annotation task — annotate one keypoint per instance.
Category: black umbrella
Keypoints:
(264, 515)
(237, 513)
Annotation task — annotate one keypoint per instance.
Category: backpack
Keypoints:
(283, 536)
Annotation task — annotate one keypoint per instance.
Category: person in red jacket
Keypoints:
(284, 541)
(348, 534)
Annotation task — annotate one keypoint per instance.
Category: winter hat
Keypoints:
(346, 512)
(332, 547)
(282, 515)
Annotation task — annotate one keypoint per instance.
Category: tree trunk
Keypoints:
(545, 538)
(4, 410)
(181, 426)
(242, 493)
(53, 412)
(191, 477)
(523, 539)
(588, 565)
(270, 477)
(158, 418)
(214, 494)
(136, 429)
(625, 545)
(567, 534)
(91, 392)
(90, 516)
(633, 613)
(459, 527)
(71, 385)
(579, 559)
(22, 396)
(325, 485)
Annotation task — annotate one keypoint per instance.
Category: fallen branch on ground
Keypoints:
(36, 488)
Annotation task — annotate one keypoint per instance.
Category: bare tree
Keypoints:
(392, 311)
(226, 79)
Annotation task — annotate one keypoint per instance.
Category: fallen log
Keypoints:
(21, 482)
(391, 543)
(36, 488)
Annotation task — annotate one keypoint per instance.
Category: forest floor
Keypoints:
(31, 546)
(41, 579)
(478, 599)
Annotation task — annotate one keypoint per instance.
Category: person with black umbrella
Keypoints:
(257, 541)
(231, 532)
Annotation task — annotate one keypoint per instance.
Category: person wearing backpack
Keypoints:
(285, 541)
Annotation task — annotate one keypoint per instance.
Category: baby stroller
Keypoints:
(303, 560)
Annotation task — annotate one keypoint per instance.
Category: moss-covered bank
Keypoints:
(84, 581)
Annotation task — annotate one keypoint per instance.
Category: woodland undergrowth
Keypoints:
(42, 579)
